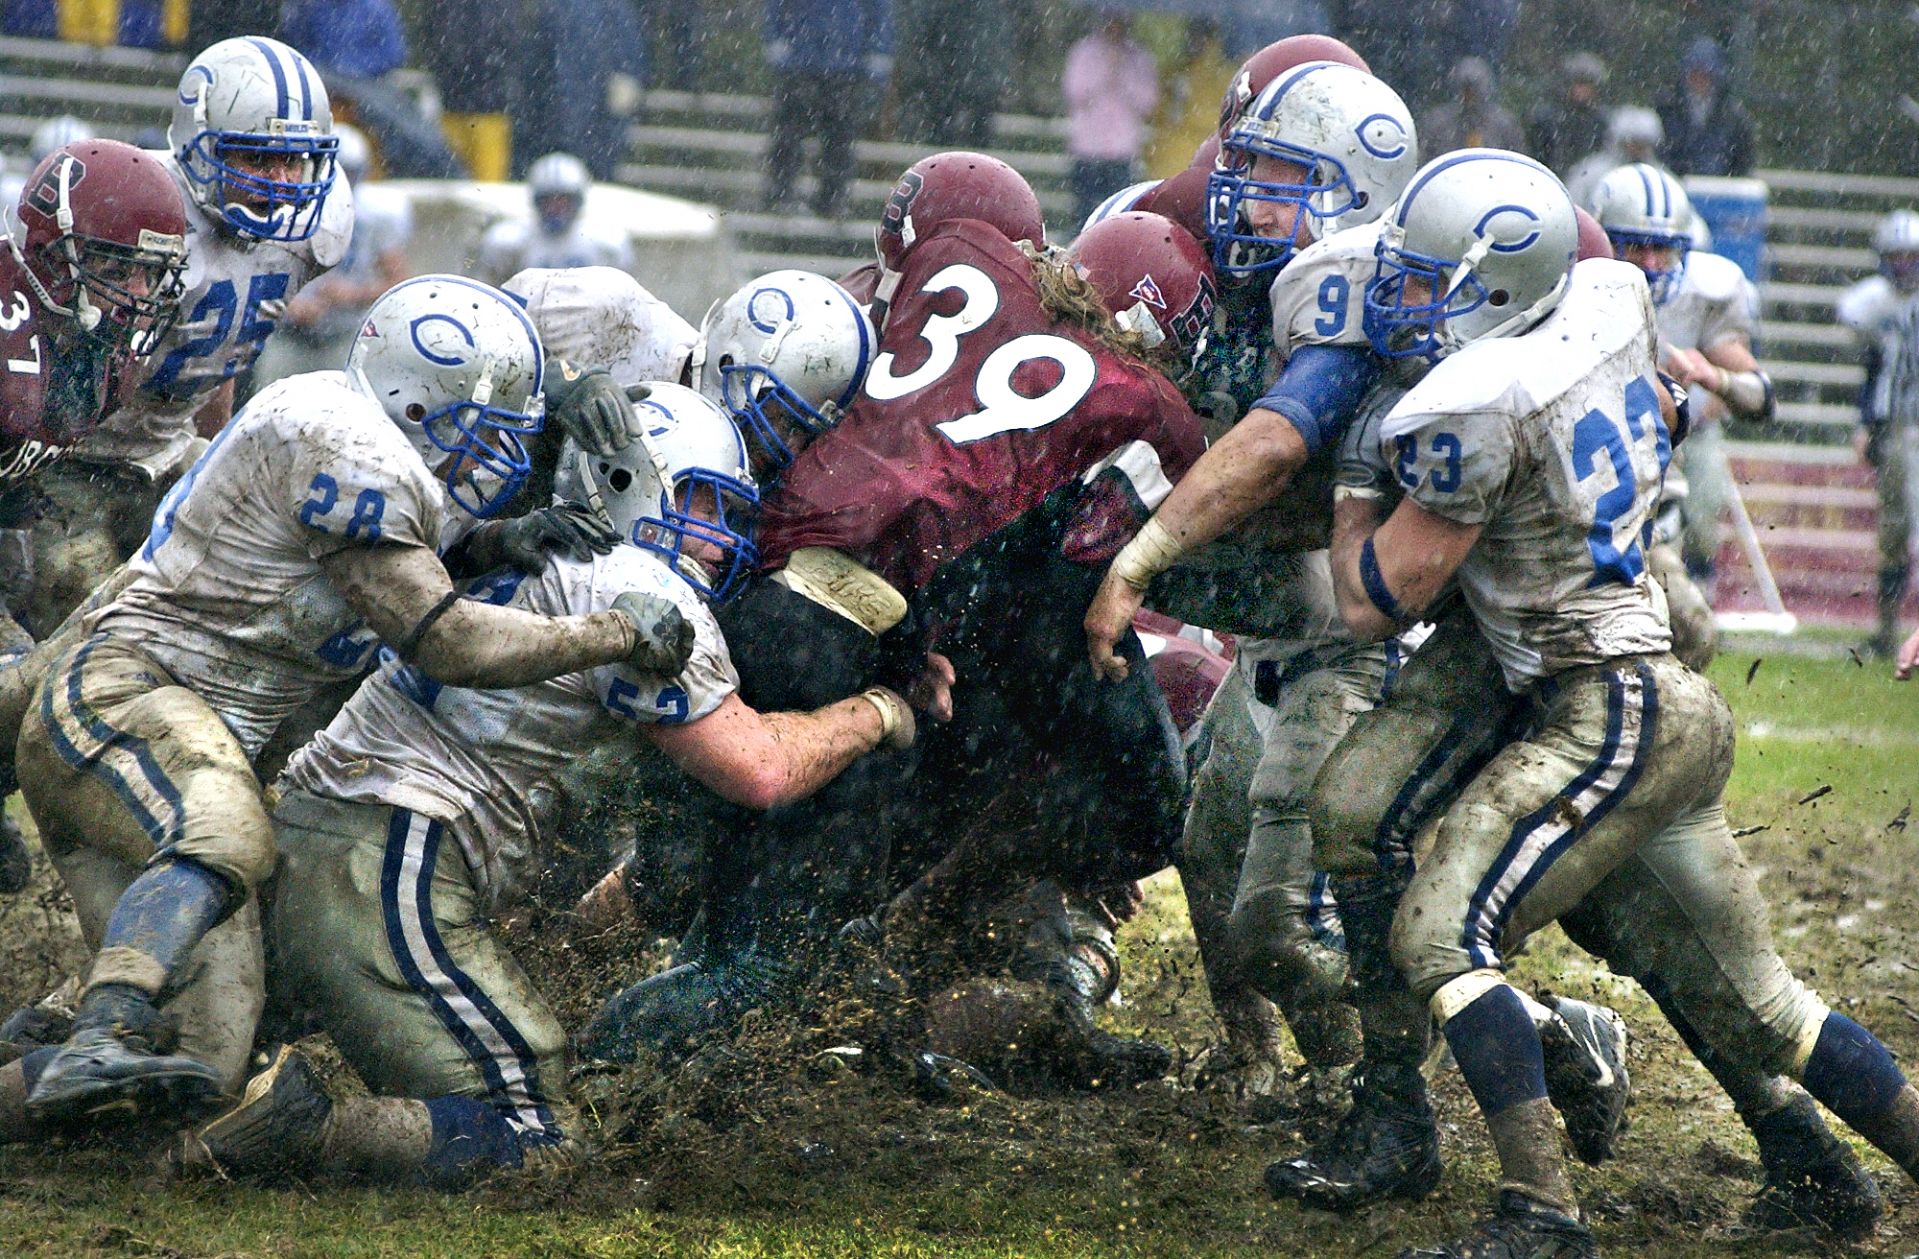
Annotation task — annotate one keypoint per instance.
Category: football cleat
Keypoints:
(1586, 1077)
(1520, 1229)
(1099, 1059)
(109, 1065)
(279, 1125)
(1386, 1145)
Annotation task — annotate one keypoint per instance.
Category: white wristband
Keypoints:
(883, 702)
(1152, 551)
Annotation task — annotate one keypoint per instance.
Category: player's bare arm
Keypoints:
(214, 414)
(765, 760)
(1396, 572)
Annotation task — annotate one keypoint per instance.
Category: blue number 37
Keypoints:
(1597, 432)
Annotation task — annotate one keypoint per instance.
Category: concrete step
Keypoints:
(756, 262)
(1011, 131)
(730, 147)
(744, 188)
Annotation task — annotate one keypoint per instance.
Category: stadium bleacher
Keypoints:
(1812, 504)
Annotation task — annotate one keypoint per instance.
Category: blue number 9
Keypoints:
(1333, 293)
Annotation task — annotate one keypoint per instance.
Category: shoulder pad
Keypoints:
(1866, 303)
(330, 239)
(1319, 297)
(1714, 277)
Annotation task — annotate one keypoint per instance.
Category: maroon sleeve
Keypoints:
(1124, 490)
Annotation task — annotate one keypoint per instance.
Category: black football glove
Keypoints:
(566, 528)
(589, 407)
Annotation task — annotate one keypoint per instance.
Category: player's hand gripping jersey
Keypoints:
(1712, 302)
(236, 291)
(488, 762)
(228, 592)
(979, 404)
(1554, 442)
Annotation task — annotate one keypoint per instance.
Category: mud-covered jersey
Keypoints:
(1712, 303)
(237, 289)
(513, 245)
(1553, 442)
(488, 763)
(47, 404)
(978, 406)
(228, 594)
(602, 317)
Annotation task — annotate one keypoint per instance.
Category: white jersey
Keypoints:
(1887, 320)
(1553, 442)
(236, 291)
(1319, 298)
(602, 317)
(228, 593)
(513, 245)
(1712, 303)
(488, 763)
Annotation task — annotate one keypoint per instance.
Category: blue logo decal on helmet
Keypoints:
(443, 352)
(1514, 246)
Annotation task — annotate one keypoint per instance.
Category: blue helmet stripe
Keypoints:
(1293, 77)
(279, 72)
(859, 374)
(306, 87)
(1446, 163)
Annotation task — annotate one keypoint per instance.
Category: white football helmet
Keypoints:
(458, 366)
(683, 479)
(1646, 210)
(257, 100)
(1896, 241)
(557, 185)
(57, 133)
(1489, 236)
(1352, 134)
(791, 338)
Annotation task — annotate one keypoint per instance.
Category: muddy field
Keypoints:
(750, 1156)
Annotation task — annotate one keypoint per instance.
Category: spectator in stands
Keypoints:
(1574, 126)
(952, 70)
(826, 57)
(677, 29)
(1111, 87)
(1473, 121)
(211, 21)
(587, 60)
(323, 317)
(479, 61)
(1189, 107)
(353, 38)
(1633, 135)
(1708, 132)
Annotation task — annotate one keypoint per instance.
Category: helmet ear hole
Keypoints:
(1361, 200)
(621, 480)
(1498, 297)
(415, 412)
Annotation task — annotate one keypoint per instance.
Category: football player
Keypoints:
(998, 443)
(558, 236)
(90, 280)
(1707, 312)
(1321, 151)
(1542, 371)
(308, 533)
(1880, 312)
(425, 808)
(252, 150)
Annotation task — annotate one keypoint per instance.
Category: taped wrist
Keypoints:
(1747, 393)
(1152, 551)
(887, 705)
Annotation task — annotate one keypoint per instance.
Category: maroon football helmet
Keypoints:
(1274, 60)
(1593, 241)
(1153, 276)
(104, 241)
(958, 185)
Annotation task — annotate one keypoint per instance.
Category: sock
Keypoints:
(1497, 1047)
(1854, 1077)
(1527, 1138)
(157, 922)
(469, 1137)
(381, 1138)
(1393, 1023)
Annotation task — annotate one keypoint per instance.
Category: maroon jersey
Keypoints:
(42, 410)
(979, 404)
